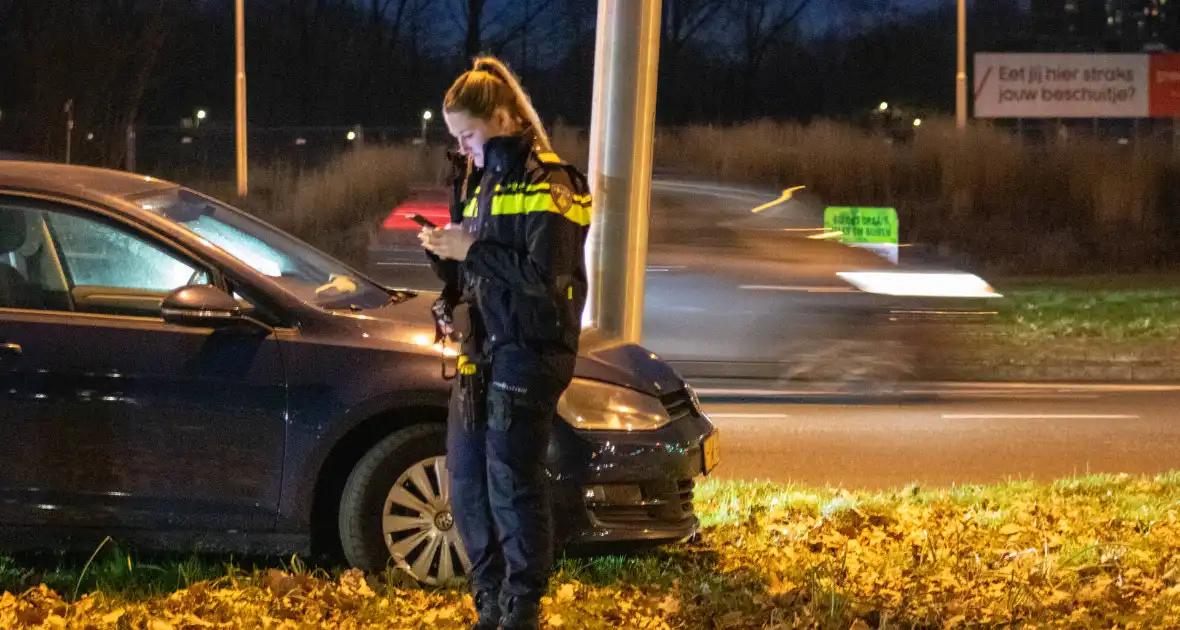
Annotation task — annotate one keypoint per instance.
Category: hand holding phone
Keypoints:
(423, 221)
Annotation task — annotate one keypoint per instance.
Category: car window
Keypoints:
(29, 275)
(98, 255)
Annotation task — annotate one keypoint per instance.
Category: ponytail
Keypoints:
(490, 85)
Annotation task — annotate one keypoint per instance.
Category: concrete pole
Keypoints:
(961, 74)
(622, 129)
(240, 94)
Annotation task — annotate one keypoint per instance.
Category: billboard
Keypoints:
(1164, 87)
(1072, 85)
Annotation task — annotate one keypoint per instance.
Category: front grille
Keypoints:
(666, 502)
(678, 404)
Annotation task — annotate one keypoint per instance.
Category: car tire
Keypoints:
(396, 467)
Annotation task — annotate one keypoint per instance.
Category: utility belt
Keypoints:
(473, 379)
(453, 325)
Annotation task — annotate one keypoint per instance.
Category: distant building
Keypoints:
(1106, 25)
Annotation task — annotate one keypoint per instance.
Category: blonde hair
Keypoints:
(488, 86)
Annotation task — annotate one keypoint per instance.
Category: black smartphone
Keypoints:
(421, 220)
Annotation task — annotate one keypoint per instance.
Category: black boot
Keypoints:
(487, 605)
(521, 614)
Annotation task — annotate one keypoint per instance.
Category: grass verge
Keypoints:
(1081, 328)
(1116, 308)
(1090, 552)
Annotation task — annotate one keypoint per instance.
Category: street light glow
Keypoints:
(202, 114)
(351, 136)
(426, 115)
(883, 106)
(917, 122)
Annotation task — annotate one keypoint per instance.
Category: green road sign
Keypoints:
(862, 225)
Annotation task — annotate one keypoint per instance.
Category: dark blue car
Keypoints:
(177, 374)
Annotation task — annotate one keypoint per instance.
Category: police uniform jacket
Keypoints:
(524, 279)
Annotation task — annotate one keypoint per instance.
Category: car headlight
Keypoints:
(596, 406)
(964, 285)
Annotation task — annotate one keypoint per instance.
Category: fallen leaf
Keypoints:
(280, 583)
(670, 605)
(556, 621)
(31, 616)
(1011, 529)
(353, 581)
(566, 593)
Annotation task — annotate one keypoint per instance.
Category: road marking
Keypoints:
(738, 416)
(402, 264)
(960, 389)
(1037, 416)
(1063, 387)
(786, 196)
(801, 289)
(1006, 395)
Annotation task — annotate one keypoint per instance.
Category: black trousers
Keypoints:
(500, 495)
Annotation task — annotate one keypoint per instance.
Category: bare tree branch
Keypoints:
(457, 20)
(764, 26)
(705, 12)
(522, 25)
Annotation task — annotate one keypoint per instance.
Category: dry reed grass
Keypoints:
(1009, 206)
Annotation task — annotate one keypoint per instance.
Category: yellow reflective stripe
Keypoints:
(525, 203)
(579, 213)
(522, 203)
(472, 208)
(549, 158)
(524, 187)
(534, 188)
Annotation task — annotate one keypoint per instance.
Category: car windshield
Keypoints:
(298, 267)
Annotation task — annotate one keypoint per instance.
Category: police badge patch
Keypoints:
(562, 196)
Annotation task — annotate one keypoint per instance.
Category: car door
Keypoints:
(111, 417)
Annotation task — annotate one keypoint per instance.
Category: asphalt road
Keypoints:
(681, 212)
(968, 435)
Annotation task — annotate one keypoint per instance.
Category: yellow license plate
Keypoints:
(710, 452)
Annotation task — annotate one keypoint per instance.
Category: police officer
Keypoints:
(513, 264)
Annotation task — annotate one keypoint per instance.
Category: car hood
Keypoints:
(626, 365)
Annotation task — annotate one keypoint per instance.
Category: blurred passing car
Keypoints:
(175, 373)
(766, 297)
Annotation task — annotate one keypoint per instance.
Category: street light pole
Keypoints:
(240, 94)
(961, 74)
(622, 127)
(69, 109)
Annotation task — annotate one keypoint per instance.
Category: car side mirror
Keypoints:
(204, 306)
